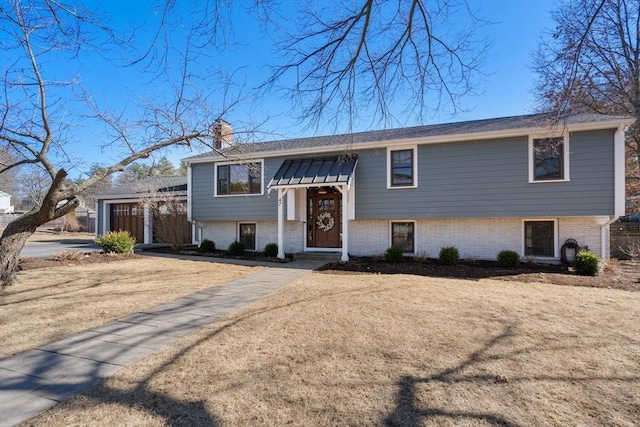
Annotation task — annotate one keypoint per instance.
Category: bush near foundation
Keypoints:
(449, 256)
(119, 242)
(393, 254)
(587, 263)
(271, 250)
(236, 249)
(508, 259)
(207, 247)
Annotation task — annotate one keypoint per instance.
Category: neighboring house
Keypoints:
(128, 207)
(524, 183)
(5, 203)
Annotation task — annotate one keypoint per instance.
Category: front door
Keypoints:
(323, 218)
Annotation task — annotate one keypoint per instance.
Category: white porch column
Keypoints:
(148, 226)
(281, 193)
(345, 223)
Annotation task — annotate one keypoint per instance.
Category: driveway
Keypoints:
(43, 249)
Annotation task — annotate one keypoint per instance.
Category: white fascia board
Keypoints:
(137, 197)
(436, 139)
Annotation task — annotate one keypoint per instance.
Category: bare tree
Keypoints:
(409, 57)
(590, 62)
(35, 119)
(168, 212)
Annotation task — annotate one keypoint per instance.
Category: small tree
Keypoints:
(168, 207)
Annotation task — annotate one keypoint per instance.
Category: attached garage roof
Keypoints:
(315, 172)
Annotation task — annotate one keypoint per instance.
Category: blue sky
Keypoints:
(514, 30)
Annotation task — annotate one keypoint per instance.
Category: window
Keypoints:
(247, 236)
(548, 159)
(539, 238)
(402, 168)
(239, 179)
(402, 236)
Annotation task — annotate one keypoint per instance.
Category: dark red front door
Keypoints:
(323, 219)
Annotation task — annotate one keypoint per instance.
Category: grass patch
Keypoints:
(48, 304)
(330, 349)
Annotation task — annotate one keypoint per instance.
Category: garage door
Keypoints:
(128, 217)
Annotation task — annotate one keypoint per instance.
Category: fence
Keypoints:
(622, 227)
(87, 220)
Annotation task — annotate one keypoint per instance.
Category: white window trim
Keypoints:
(565, 157)
(415, 232)
(215, 179)
(415, 165)
(238, 224)
(556, 238)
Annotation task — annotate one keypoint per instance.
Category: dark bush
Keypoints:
(393, 254)
(508, 259)
(587, 263)
(119, 242)
(449, 256)
(207, 247)
(236, 249)
(271, 250)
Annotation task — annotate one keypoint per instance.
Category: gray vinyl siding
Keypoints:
(206, 207)
(475, 179)
(489, 179)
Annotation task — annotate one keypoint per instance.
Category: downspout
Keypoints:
(618, 189)
(604, 232)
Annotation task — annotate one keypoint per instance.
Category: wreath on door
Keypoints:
(325, 221)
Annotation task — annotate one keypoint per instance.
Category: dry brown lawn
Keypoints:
(330, 349)
(48, 304)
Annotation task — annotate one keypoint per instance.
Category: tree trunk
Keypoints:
(11, 243)
(18, 231)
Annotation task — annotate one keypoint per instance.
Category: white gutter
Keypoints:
(619, 175)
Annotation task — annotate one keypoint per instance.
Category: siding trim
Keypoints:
(414, 148)
(565, 158)
(215, 178)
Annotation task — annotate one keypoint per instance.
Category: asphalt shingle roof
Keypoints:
(160, 184)
(542, 121)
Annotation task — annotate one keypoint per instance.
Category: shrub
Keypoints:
(236, 249)
(508, 259)
(393, 254)
(271, 250)
(69, 255)
(449, 256)
(207, 247)
(119, 242)
(587, 263)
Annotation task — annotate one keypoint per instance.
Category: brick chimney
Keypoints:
(222, 134)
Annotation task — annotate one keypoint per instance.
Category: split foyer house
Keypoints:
(525, 183)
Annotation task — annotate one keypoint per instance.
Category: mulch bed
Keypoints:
(624, 275)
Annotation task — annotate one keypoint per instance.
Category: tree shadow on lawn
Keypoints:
(408, 412)
(176, 412)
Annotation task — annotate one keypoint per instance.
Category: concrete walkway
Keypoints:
(37, 379)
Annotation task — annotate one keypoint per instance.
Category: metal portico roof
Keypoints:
(314, 172)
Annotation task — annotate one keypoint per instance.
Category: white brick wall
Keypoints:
(223, 233)
(479, 238)
(476, 238)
